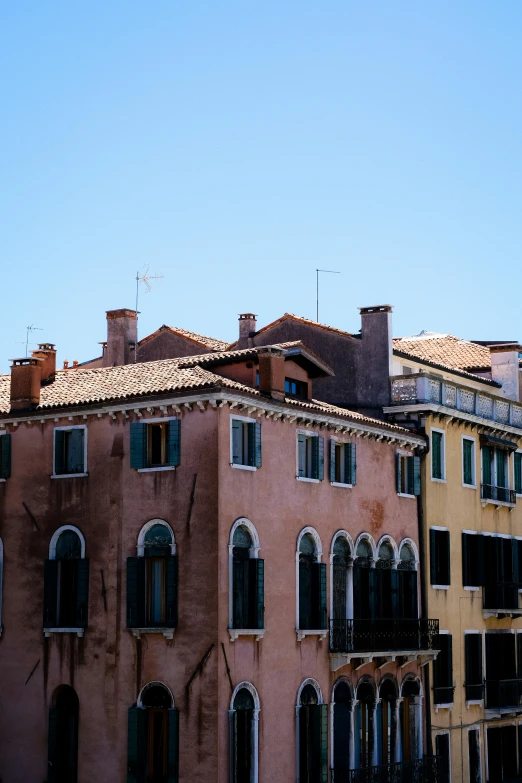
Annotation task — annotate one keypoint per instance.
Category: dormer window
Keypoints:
(295, 388)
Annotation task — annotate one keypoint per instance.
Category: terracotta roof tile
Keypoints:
(209, 342)
(301, 319)
(445, 349)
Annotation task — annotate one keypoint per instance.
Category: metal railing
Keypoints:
(501, 694)
(501, 595)
(444, 694)
(500, 494)
(425, 770)
(348, 636)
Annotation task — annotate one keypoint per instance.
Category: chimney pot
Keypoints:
(122, 335)
(272, 372)
(66, 364)
(25, 382)
(247, 329)
(47, 353)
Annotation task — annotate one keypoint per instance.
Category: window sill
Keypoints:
(49, 631)
(302, 634)
(474, 703)
(498, 503)
(469, 486)
(472, 589)
(439, 480)
(441, 587)
(155, 470)
(236, 632)
(2, 481)
(168, 633)
(68, 475)
(340, 484)
(448, 706)
(243, 467)
(309, 480)
(405, 495)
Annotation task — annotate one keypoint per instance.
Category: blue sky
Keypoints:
(237, 146)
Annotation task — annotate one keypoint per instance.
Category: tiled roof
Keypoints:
(301, 319)
(208, 342)
(445, 349)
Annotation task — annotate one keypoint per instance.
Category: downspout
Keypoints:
(424, 612)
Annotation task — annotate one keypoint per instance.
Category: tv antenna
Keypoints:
(29, 329)
(328, 271)
(145, 279)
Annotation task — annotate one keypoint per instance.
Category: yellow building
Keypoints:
(465, 398)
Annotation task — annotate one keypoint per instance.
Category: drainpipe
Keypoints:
(424, 611)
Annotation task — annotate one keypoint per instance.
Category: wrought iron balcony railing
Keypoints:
(501, 595)
(503, 694)
(443, 694)
(500, 494)
(348, 636)
(425, 770)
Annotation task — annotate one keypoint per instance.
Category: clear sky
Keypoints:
(237, 146)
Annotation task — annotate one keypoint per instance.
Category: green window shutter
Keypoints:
(332, 460)
(257, 592)
(5, 455)
(50, 593)
(171, 588)
(76, 454)
(319, 719)
(465, 560)
(82, 593)
(138, 445)
(449, 660)
(173, 749)
(135, 592)
(501, 468)
(397, 609)
(257, 445)
(174, 441)
(480, 562)
(416, 475)
(318, 457)
(467, 456)
(320, 569)
(59, 446)
(486, 465)
(411, 474)
(301, 456)
(446, 557)
(137, 745)
(433, 557)
(518, 473)
(305, 609)
(51, 745)
(398, 472)
(350, 464)
(436, 455)
(237, 442)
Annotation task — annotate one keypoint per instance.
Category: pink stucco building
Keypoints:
(206, 575)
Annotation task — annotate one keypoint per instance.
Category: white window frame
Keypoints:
(308, 434)
(168, 633)
(476, 728)
(2, 481)
(471, 589)
(253, 554)
(343, 443)
(494, 725)
(443, 456)
(85, 436)
(52, 556)
(442, 587)
(473, 461)
(248, 420)
(349, 576)
(440, 733)
(254, 774)
(403, 455)
(302, 633)
(317, 687)
(467, 632)
(157, 420)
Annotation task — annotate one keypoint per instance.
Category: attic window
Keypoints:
(295, 388)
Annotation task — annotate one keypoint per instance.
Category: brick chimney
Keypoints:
(373, 384)
(25, 382)
(272, 372)
(247, 329)
(122, 334)
(46, 352)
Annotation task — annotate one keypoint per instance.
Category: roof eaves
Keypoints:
(445, 368)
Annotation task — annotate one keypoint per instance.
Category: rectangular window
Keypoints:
(472, 560)
(295, 388)
(69, 451)
(155, 444)
(518, 472)
(5, 456)
(342, 463)
(473, 661)
(437, 455)
(310, 456)
(440, 557)
(475, 775)
(442, 750)
(443, 670)
(408, 474)
(246, 443)
(468, 462)
(152, 592)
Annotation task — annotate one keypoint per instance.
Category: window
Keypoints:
(502, 686)
(295, 388)
(443, 670)
(518, 472)
(245, 443)
(247, 582)
(408, 474)
(442, 750)
(70, 455)
(501, 572)
(475, 774)
(342, 719)
(153, 736)
(155, 444)
(310, 456)
(364, 582)
(66, 581)
(342, 463)
(244, 722)
(468, 462)
(502, 753)
(63, 736)
(440, 557)
(312, 736)
(363, 724)
(5, 455)
(408, 590)
(473, 660)
(342, 585)
(472, 559)
(152, 580)
(495, 472)
(312, 586)
(437, 455)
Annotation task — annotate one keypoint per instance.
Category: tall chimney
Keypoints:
(373, 378)
(247, 329)
(25, 382)
(505, 369)
(122, 334)
(272, 372)
(46, 352)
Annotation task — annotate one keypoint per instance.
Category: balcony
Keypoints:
(501, 600)
(498, 495)
(368, 639)
(504, 695)
(425, 770)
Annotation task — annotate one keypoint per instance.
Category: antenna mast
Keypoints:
(328, 271)
(143, 278)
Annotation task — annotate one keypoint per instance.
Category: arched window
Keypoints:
(408, 589)
(247, 573)
(153, 736)
(244, 723)
(66, 582)
(365, 725)
(152, 580)
(312, 583)
(342, 573)
(63, 736)
(386, 582)
(312, 738)
(343, 729)
(387, 722)
(411, 720)
(364, 581)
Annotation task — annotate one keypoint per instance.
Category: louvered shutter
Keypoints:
(466, 576)
(5, 452)
(59, 441)
(416, 475)
(350, 464)
(171, 590)
(137, 744)
(449, 661)
(257, 592)
(372, 591)
(398, 472)
(135, 592)
(174, 442)
(518, 473)
(322, 595)
(433, 557)
(480, 563)
(51, 745)
(82, 593)
(237, 442)
(318, 458)
(397, 609)
(436, 454)
(445, 556)
(323, 743)
(76, 453)
(486, 465)
(50, 593)
(301, 456)
(173, 773)
(304, 596)
(467, 456)
(240, 593)
(410, 475)
(332, 460)
(257, 445)
(138, 445)
(233, 747)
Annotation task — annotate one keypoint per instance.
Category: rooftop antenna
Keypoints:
(328, 271)
(29, 330)
(143, 278)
